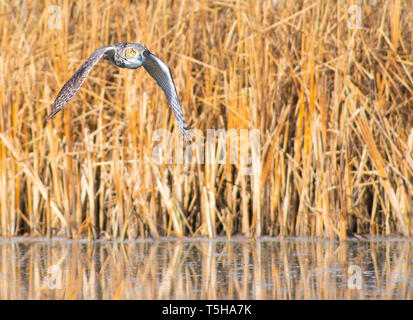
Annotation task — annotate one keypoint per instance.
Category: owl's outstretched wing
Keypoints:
(75, 82)
(163, 77)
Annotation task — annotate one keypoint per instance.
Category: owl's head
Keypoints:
(134, 55)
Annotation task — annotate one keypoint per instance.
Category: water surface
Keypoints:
(206, 269)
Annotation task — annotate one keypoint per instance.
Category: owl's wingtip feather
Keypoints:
(186, 133)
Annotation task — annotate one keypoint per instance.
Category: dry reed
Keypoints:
(332, 105)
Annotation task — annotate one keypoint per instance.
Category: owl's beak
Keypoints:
(140, 52)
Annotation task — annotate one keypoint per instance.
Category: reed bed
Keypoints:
(328, 91)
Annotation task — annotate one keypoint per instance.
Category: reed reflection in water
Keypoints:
(204, 269)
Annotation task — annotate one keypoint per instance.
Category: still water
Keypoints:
(203, 269)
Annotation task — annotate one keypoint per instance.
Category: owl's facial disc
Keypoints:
(130, 53)
(134, 57)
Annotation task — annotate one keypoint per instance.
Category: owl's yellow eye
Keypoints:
(130, 52)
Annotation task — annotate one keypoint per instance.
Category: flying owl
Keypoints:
(131, 56)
